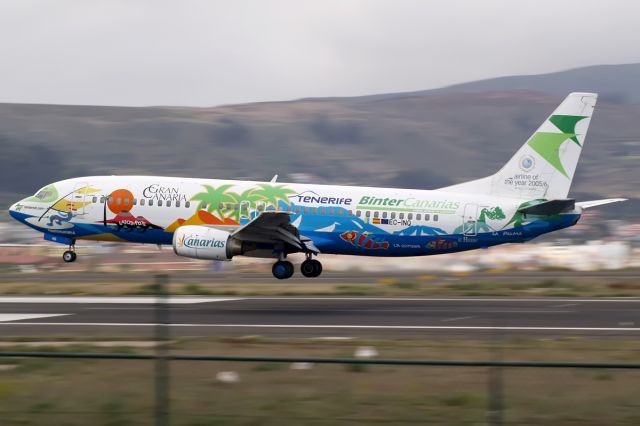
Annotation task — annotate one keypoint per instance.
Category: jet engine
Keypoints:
(203, 242)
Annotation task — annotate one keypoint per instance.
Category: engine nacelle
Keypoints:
(203, 242)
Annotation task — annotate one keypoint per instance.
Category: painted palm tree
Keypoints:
(271, 194)
(495, 213)
(105, 199)
(519, 218)
(213, 198)
(246, 202)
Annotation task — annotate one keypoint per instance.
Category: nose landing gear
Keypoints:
(70, 255)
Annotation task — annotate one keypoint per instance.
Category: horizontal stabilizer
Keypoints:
(595, 203)
(551, 207)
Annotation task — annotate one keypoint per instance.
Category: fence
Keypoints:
(163, 358)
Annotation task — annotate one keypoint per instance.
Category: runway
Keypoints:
(321, 317)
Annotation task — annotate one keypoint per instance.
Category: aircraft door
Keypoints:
(470, 220)
(260, 207)
(79, 198)
(245, 210)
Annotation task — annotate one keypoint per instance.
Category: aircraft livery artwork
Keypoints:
(220, 219)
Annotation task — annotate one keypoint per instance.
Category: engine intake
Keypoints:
(203, 242)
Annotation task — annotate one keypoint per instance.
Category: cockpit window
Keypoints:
(44, 194)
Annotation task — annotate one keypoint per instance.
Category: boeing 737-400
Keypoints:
(220, 219)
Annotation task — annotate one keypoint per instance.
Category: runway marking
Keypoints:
(318, 326)
(19, 317)
(195, 300)
(526, 311)
(448, 299)
(176, 300)
(455, 319)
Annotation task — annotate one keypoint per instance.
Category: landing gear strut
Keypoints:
(70, 255)
(282, 269)
(311, 268)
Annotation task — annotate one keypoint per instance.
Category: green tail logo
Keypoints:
(548, 144)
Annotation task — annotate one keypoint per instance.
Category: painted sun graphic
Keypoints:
(120, 200)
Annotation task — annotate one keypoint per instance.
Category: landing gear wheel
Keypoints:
(311, 268)
(282, 269)
(69, 256)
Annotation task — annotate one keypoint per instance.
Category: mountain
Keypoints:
(614, 83)
(416, 140)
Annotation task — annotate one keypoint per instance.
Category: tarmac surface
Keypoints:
(321, 317)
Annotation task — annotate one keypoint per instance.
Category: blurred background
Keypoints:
(405, 94)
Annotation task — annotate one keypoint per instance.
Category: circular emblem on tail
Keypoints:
(527, 163)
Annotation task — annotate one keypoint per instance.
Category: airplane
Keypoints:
(220, 219)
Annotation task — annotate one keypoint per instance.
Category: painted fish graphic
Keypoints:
(363, 240)
(441, 244)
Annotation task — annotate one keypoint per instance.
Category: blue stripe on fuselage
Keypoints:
(334, 242)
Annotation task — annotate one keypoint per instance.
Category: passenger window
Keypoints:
(419, 215)
(306, 210)
(358, 213)
(427, 216)
(118, 200)
(177, 203)
(135, 201)
(221, 206)
(350, 212)
(401, 215)
(313, 210)
(339, 212)
(331, 212)
(101, 200)
(367, 213)
(435, 217)
(187, 204)
(376, 214)
(126, 201)
(151, 202)
(393, 215)
(142, 201)
(168, 203)
(94, 200)
(410, 216)
(159, 203)
(110, 200)
(384, 215)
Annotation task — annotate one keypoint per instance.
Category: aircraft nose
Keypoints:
(14, 209)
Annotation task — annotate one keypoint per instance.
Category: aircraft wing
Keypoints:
(274, 227)
(595, 203)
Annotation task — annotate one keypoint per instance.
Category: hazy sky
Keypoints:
(203, 53)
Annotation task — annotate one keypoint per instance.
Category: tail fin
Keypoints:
(544, 166)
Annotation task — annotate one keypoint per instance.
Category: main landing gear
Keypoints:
(310, 268)
(282, 269)
(70, 255)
